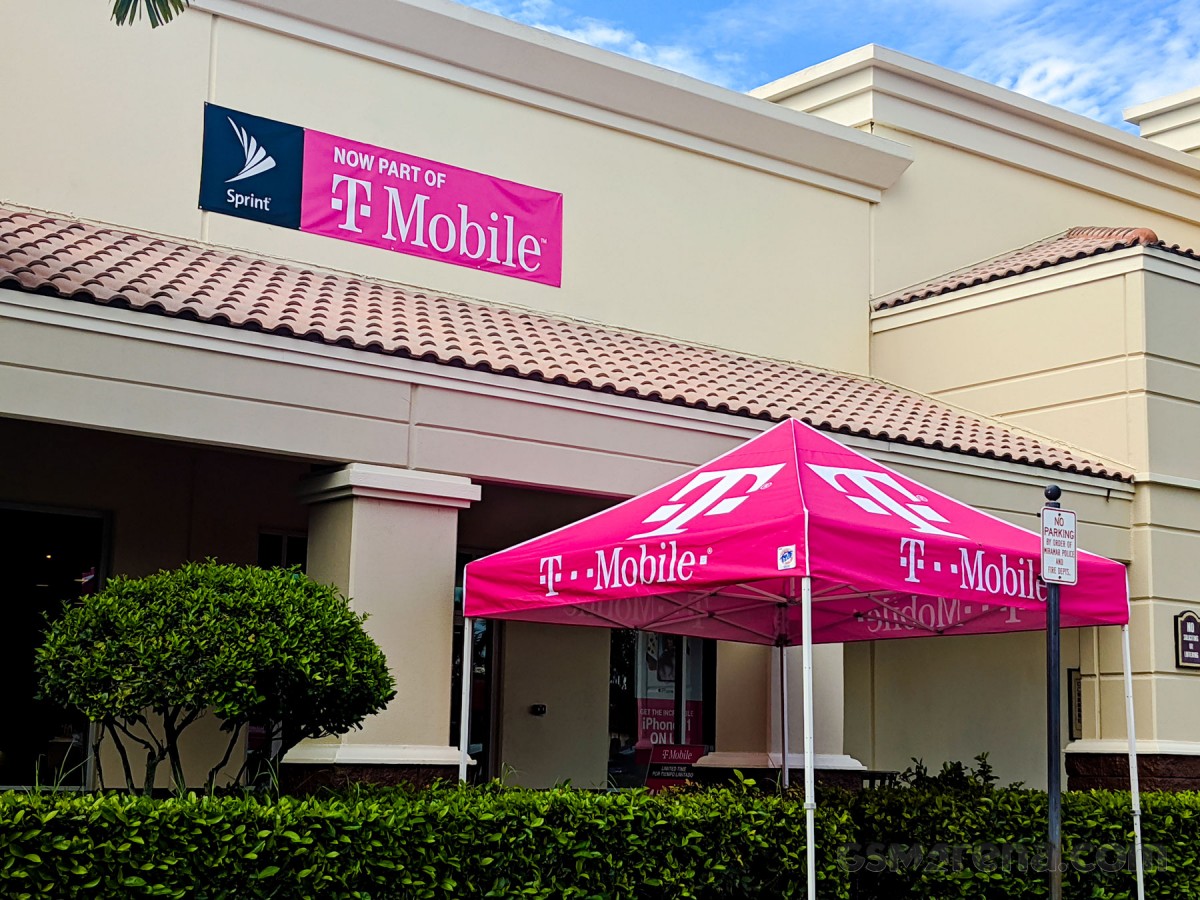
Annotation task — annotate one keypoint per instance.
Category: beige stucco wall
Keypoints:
(743, 700)
(396, 560)
(952, 699)
(1120, 378)
(992, 170)
(647, 235)
(1063, 353)
(566, 668)
(955, 206)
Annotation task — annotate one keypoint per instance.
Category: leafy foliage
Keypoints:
(147, 657)
(457, 841)
(448, 842)
(160, 12)
(972, 840)
(954, 776)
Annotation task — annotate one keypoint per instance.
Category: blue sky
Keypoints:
(1092, 58)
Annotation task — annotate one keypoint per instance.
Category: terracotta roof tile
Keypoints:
(97, 264)
(1076, 243)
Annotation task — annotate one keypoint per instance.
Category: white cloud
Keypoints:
(721, 67)
(1066, 54)
(1093, 59)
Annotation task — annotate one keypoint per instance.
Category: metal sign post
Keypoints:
(1059, 566)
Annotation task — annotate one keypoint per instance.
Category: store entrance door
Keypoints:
(47, 558)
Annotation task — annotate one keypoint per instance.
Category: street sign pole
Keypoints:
(1060, 565)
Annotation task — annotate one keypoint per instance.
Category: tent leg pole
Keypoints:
(784, 780)
(810, 756)
(1134, 791)
(464, 712)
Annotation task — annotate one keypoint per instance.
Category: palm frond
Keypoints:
(160, 12)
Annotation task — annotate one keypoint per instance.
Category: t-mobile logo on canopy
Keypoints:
(713, 502)
(551, 574)
(880, 489)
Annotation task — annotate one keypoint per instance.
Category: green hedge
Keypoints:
(921, 841)
(447, 842)
(989, 844)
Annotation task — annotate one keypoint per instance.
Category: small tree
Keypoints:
(147, 657)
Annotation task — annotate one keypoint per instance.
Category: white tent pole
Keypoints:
(810, 756)
(1134, 791)
(464, 714)
(784, 780)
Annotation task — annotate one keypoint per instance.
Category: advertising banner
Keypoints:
(268, 171)
(655, 686)
(672, 765)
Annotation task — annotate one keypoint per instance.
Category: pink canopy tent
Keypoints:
(792, 538)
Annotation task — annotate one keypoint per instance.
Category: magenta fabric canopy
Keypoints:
(720, 551)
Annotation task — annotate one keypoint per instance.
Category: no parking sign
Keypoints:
(1059, 546)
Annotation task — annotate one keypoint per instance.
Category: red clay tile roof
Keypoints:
(73, 259)
(1077, 243)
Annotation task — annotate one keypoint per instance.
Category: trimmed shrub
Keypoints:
(935, 843)
(447, 842)
(465, 842)
(146, 657)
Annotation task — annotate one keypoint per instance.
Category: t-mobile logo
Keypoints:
(713, 502)
(551, 574)
(881, 490)
(353, 206)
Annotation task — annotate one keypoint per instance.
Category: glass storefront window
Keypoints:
(47, 558)
(661, 689)
(278, 550)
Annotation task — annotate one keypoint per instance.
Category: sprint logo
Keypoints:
(257, 160)
(252, 168)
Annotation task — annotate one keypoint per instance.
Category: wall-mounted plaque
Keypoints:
(1075, 704)
(1187, 640)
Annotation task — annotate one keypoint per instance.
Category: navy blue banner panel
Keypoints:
(252, 167)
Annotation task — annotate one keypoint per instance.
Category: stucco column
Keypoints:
(387, 537)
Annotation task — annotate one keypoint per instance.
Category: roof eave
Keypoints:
(515, 59)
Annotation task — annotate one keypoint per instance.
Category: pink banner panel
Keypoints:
(390, 200)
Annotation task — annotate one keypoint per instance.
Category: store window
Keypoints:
(661, 691)
(48, 558)
(481, 743)
(281, 550)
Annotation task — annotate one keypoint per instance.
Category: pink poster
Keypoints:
(656, 721)
(378, 197)
(656, 682)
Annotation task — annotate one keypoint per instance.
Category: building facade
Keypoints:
(381, 388)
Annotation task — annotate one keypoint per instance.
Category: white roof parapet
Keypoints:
(462, 45)
(887, 81)
(1172, 121)
(1135, 114)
